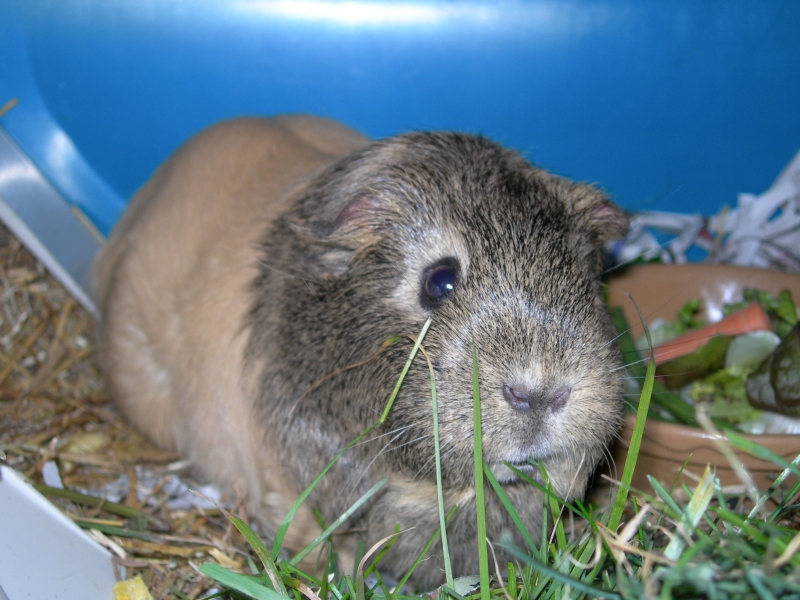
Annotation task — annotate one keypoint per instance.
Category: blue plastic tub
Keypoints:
(667, 105)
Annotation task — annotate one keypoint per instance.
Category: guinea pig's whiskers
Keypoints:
(399, 433)
(646, 317)
(384, 450)
(630, 364)
(424, 465)
(443, 451)
(615, 338)
(426, 471)
(608, 458)
(408, 443)
(374, 458)
(377, 437)
(631, 405)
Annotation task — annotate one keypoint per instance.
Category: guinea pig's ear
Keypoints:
(341, 228)
(601, 216)
(354, 220)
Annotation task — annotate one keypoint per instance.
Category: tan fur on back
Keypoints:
(189, 240)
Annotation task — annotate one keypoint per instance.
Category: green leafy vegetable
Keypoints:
(775, 384)
(781, 309)
(738, 376)
(725, 391)
(708, 358)
(686, 317)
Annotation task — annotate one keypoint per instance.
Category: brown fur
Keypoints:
(266, 255)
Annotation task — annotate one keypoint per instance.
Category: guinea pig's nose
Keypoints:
(523, 398)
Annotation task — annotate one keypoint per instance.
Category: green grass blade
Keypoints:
(480, 510)
(759, 451)
(375, 561)
(760, 538)
(772, 488)
(586, 552)
(511, 580)
(240, 583)
(323, 590)
(451, 592)
(448, 569)
(118, 509)
(536, 592)
(633, 451)
(512, 512)
(576, 584)
(360, 549)
(792, 493)
(664, 495)
(284, 526)
(627, 347)
(760, 588)
(406, 367)
(114, 530)
(386, 593)
(669, 401)
(178, 594)
(691, 516)
(350, 589)
(336, 592)
(576, 508)
(262, 552)
(423, 552)
(287, 521)
(544, 547)
(621, 496)
(386, 543)
(555, 511)
(333, 526)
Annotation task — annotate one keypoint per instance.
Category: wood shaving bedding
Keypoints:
(54, 407)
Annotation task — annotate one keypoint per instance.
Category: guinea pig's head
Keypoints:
(498, 253)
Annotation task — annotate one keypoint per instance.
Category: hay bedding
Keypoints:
(55, 415)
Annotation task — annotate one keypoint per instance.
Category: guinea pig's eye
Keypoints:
(440, 280)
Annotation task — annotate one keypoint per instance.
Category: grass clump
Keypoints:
(705, 542)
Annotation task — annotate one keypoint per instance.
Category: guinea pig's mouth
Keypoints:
(503, 472)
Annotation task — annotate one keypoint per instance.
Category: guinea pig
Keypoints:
(248, 288)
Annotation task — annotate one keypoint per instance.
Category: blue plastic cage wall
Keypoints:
(666, 105)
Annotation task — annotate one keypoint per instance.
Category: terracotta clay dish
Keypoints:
(659, 291)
